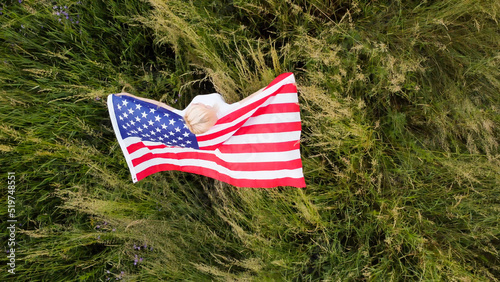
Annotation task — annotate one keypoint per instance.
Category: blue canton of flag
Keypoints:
(152, 123)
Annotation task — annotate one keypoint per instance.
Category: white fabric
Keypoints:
(213, 100)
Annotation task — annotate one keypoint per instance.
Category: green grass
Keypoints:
(400, 112)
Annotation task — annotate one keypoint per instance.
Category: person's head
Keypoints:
(200, 118)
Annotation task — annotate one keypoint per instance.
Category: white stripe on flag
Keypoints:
(262, 138)
(292, 173)
(261, 119)
(228, 157)
(273, 118)
(282, 98)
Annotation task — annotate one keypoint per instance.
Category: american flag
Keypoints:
(254, 145)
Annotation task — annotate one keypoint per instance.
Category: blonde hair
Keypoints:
(200, 118)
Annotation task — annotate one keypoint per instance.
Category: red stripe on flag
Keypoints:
(269, 128)
(139, 145)
(253, 166)
(269, 109)
(233, 148)
(262, 183)
(220, 132)
(136, 146)
(260, 148)
(242, 111)
(277, 109)
(287, 88)
(279, 78)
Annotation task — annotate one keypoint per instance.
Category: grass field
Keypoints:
(400, 105)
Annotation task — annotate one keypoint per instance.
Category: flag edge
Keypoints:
(120, 139)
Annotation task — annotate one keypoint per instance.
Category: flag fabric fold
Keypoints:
(256, 144)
